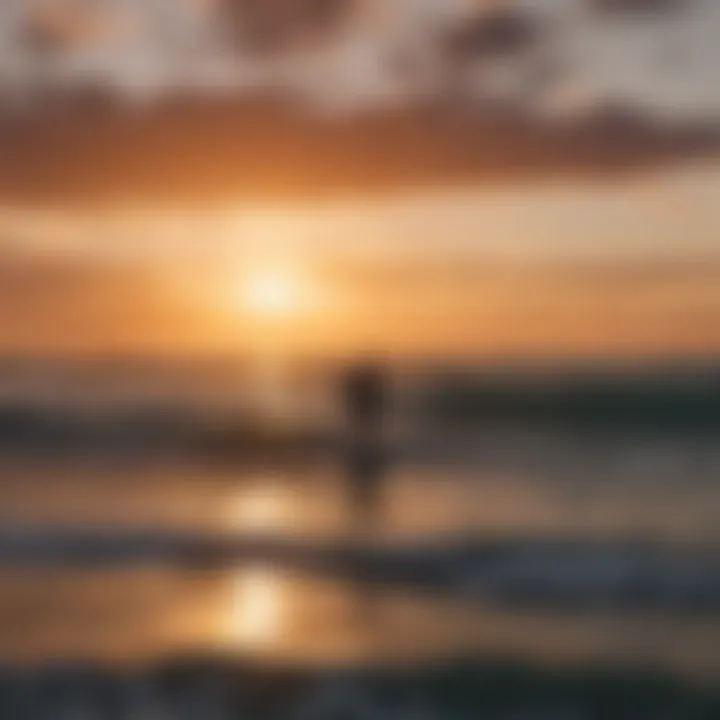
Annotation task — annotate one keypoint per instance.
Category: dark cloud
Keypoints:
(504, 31)
(637, 7)
(275, 25)
(229, 151)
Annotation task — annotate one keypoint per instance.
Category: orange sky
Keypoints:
(619, 269)
(556, 268)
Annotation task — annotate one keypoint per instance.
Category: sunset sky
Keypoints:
(419, 177)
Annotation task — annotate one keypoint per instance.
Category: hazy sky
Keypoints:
(627, 267)
(498, 225)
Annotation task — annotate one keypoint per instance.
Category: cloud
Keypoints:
(635, 7)
(658, 54)
(428, 91)
(276, 25)
(221, 151)
(494, 33)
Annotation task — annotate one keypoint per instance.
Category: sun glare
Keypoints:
(273, 292)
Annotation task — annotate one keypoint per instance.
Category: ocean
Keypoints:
(534, 544)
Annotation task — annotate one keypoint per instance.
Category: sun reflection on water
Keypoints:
(261, 508)
(258, 607)
(258, 604)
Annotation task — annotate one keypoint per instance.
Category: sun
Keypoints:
(273, 292)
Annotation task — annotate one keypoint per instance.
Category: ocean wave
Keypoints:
(558, 574)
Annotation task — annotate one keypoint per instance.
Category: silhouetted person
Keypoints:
(365, 399)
